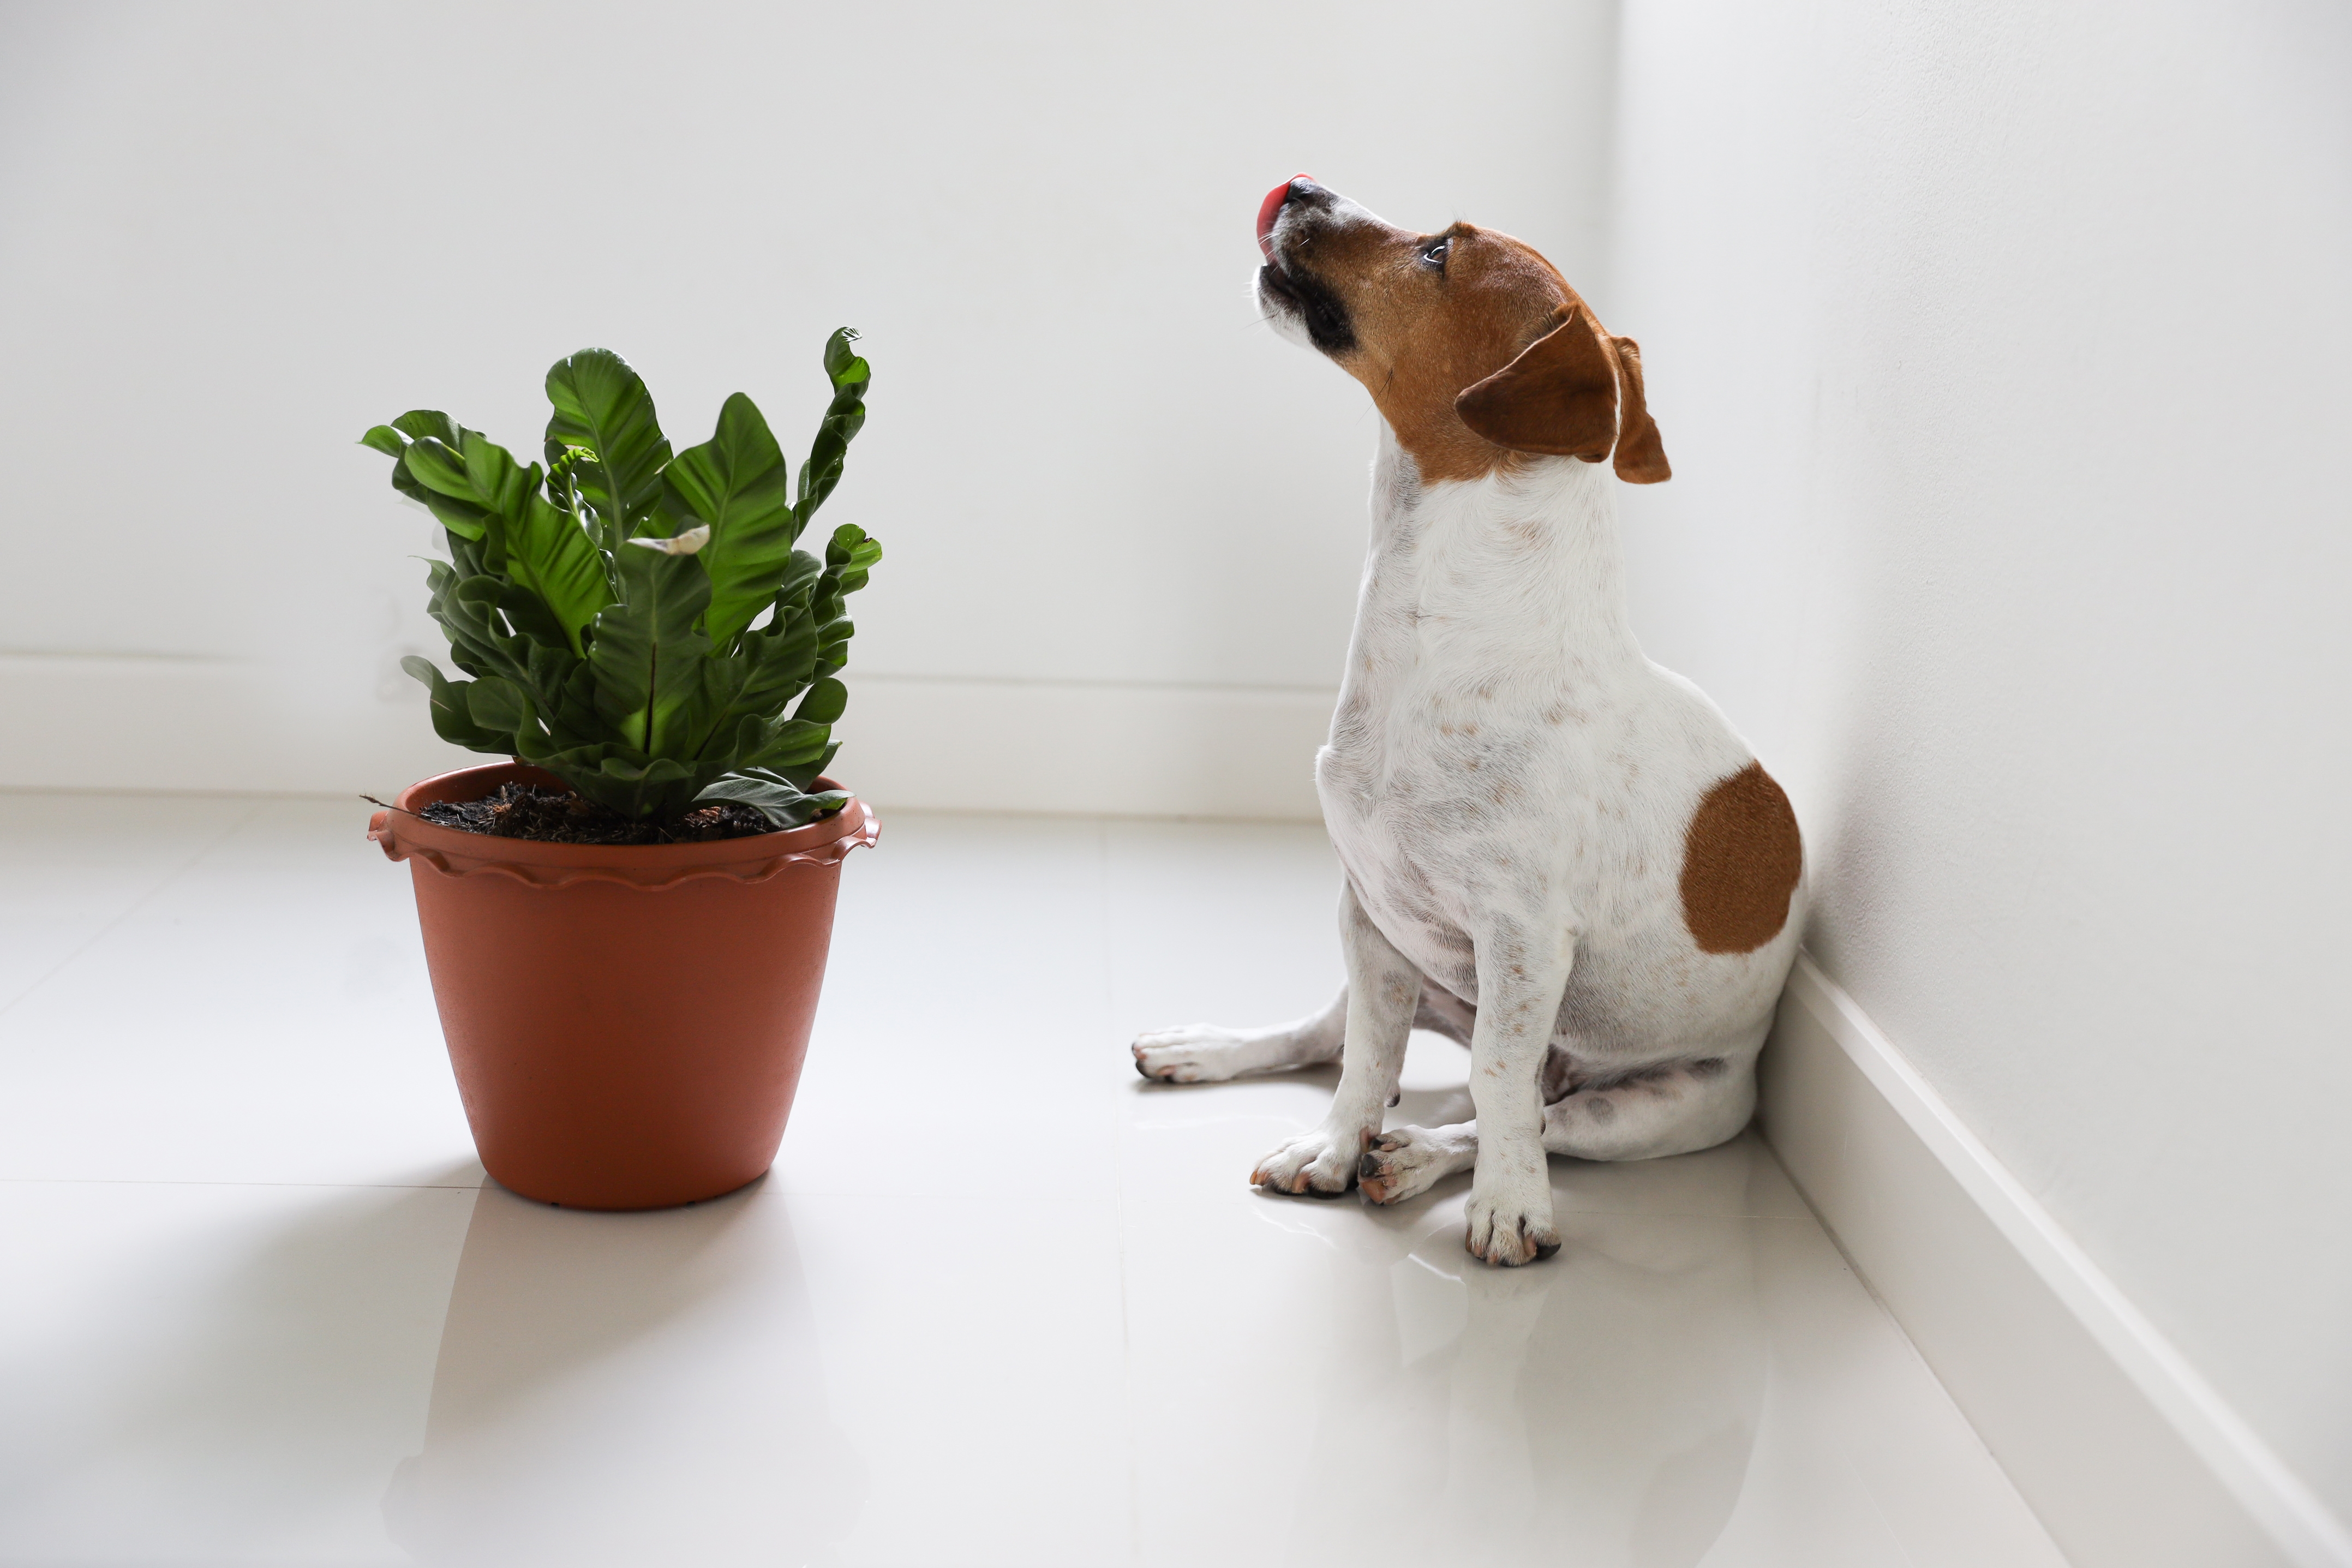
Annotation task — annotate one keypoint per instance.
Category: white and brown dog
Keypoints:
(1555, 852)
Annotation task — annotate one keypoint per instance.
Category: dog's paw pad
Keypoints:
(1319, 1163)
(1406, 1163)
(1508, 1233)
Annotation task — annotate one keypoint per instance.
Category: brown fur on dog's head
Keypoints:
(1473, 345)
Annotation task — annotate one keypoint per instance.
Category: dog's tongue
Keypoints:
(1272, 204)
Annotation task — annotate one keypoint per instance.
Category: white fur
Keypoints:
(1508, 783)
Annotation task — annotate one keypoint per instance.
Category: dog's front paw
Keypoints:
(1510, 1229)
(1321, 1163)
(1406, 1161)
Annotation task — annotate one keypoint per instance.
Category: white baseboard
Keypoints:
(208, 725)
(2129, 1456)
(95, 721)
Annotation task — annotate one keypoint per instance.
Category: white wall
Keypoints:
(1124, 522)
(2000, 352)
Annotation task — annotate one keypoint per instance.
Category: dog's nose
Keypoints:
(1268, 208)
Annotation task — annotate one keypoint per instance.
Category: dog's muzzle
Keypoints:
(1286, 291)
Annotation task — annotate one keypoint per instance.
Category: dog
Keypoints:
(1555, 852)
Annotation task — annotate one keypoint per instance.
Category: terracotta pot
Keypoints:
(626, 1022)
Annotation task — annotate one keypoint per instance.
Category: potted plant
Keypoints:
(626, 924)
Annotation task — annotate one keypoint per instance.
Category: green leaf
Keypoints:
(462, 518)
(805, 774)
(528, 614)
(394, 438)
(663, 787)
(795, 745)
(467, 609)
(601, 404)
(738, 689)
(549, 554)
(850, 556)
(419, 423)
(825, 703)
(800, 579)
(500, 483)
(621, 778)
(843, 419)
(470, 609)
(501, 708)
(452, 716)
(647, 654)
(737, 484)
(475, 481)
(575, 721)
(779, 799)
(849, 559)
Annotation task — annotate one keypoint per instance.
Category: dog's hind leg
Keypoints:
(1383, 988)
(1443, 1012)
(1674, 1111)
(1207, 1053)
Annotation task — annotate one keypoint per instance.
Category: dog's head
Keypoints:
(1473, 345)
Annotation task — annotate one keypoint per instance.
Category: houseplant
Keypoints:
(626, 925)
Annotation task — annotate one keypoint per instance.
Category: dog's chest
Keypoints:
(1460, 803)
(1502, 752)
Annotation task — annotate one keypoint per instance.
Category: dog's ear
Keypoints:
(1640, 457)
(1559, 397)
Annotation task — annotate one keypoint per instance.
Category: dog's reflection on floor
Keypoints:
(627, 1388)
(1598, 1408)
(645, 1388)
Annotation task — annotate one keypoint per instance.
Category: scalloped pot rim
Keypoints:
(652, 867)
(595, 1075)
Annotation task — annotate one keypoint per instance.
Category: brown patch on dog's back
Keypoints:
(1741, 859)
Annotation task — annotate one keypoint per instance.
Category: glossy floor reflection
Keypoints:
(1000, 1302)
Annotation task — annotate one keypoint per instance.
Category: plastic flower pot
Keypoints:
(626, 1022)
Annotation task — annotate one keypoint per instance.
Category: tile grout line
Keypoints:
(137, 904)
(1114, 1109)
(1910, 1349)
(1877, 1504)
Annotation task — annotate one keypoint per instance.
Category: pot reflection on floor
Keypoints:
(627, 1388)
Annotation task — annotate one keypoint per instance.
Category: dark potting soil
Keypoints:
(559, 816)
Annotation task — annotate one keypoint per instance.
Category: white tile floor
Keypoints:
(1000, 1302)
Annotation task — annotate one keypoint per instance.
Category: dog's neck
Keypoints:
(1517, 576)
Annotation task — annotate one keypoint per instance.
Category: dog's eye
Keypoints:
(1433, 253)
